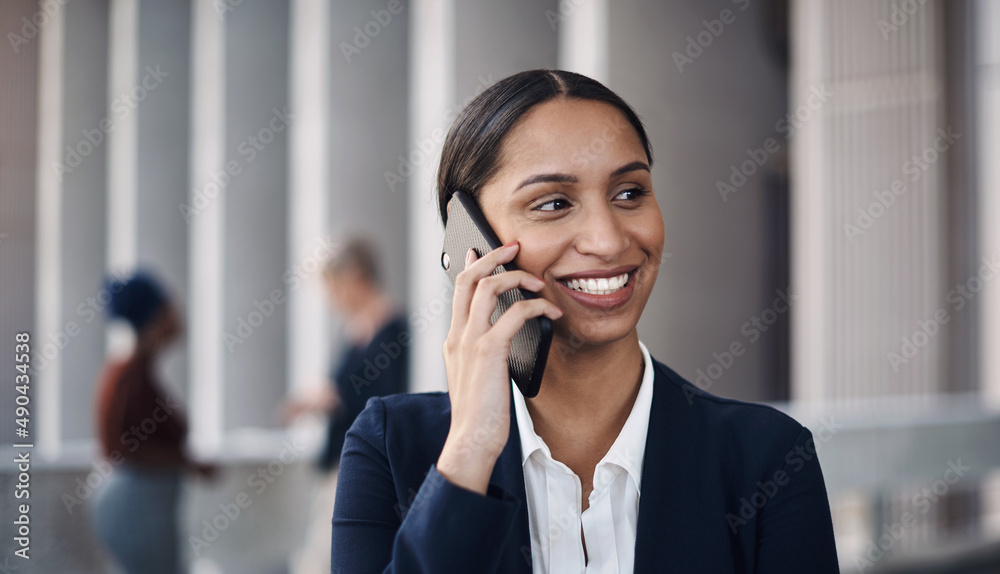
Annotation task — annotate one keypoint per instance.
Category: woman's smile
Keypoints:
(601, 298)
(599, 289)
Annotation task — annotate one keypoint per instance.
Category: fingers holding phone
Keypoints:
(476, 355)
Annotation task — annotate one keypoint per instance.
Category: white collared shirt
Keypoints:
(554, 494)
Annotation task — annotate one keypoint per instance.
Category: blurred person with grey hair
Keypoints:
(372, 362)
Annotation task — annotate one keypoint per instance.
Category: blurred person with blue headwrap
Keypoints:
(142, 431)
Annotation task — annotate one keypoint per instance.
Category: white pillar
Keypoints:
(309, 185)
(988, 146)
(122, 142)
(809, 227)
(583, 37)
(867, 272)
(48, 271)
(123, 62)
(207, 157)
(83, 221)
(432, 91)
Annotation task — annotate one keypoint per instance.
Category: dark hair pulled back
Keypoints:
(471, 153)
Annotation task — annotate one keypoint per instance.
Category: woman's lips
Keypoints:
(603, 302)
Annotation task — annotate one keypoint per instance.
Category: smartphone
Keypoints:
(467, 228)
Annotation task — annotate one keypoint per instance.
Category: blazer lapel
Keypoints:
(671, 522)
(508, 473)
(668, 538)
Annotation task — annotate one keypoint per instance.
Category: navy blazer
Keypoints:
(727, 486)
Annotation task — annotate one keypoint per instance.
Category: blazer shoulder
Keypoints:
(405, 422)
(407, 406)
(737, 415)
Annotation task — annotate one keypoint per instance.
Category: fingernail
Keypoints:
(468, 256)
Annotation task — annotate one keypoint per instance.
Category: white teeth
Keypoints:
(602, 286)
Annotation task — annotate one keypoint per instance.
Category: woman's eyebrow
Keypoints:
(547, 178)
(566, 178)
(634, 166)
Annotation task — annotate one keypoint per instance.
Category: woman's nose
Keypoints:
(601, 233)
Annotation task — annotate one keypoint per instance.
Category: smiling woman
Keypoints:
(618, 464)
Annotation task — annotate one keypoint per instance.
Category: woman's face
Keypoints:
(165, 327)
(346, 288)
(574, 188)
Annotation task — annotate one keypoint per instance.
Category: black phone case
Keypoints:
(467, 228)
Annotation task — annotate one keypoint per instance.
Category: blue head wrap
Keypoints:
(135, 299)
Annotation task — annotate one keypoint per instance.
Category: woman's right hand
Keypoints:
(475, 355)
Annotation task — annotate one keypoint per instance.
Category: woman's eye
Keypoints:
(550, 205)
(637, 193)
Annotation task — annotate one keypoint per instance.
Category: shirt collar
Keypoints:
(630, 445)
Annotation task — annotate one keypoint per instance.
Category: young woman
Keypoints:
(142, 431)
(618, 464)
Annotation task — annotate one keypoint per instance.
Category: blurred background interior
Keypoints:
(841, 156)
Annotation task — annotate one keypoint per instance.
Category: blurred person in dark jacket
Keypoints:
(142, 431)
(373, 362)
